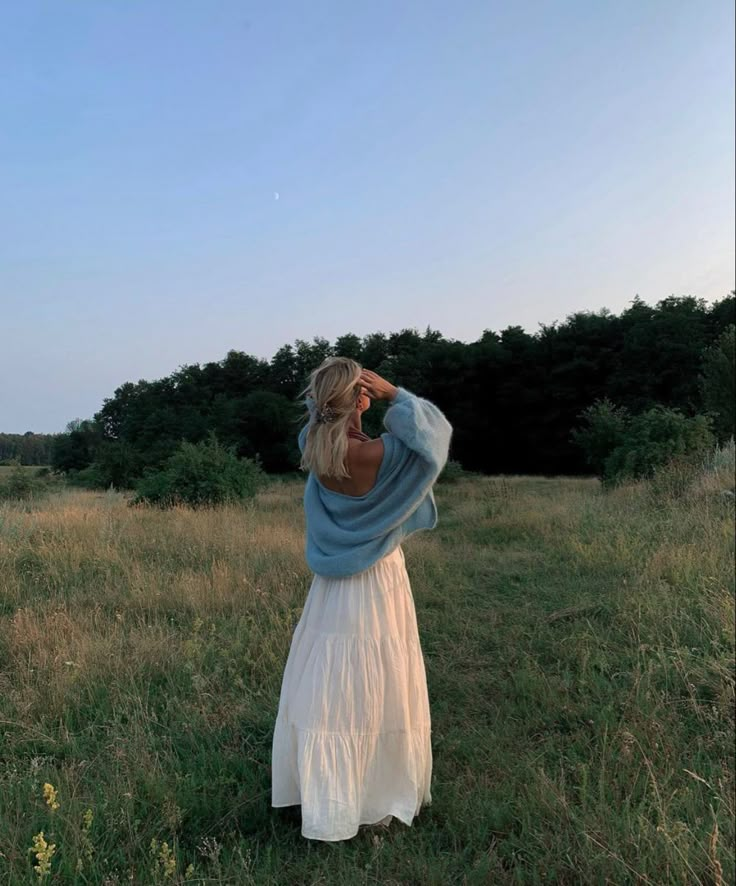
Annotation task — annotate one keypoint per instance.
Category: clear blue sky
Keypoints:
(182, 178)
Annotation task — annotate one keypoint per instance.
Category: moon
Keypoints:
(276, 195)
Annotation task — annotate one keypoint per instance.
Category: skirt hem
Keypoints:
(313, 835)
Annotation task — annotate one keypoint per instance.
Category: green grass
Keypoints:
(580, 659)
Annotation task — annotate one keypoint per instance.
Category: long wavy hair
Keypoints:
(334, 383)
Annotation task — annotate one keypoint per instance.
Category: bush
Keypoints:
(200, 474)
(604, 429)
(116, 465)
(91, 477)
(656, 438)
(619, 446)
(451, 473)
(23, 483)
(119, 464)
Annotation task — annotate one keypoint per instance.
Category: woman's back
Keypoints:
(389, 497)
(363, 462)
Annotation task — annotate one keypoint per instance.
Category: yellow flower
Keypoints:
(43, 852)
(49, 795)
(166, 861)
(87, 845)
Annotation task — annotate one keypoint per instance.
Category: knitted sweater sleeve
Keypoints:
(421, 427)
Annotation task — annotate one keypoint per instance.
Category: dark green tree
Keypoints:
(513, 397)
(718, 383)
(76, 448)
(268, 430)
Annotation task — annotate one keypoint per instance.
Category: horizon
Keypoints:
(387, 333)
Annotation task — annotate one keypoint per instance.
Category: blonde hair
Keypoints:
(334, 383)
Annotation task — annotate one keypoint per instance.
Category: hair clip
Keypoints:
(325, 415)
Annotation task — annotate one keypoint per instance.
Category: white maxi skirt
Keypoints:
(352, 738)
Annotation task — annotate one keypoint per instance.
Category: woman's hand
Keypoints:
(376, 387)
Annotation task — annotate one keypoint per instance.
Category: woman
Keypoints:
(351, 742)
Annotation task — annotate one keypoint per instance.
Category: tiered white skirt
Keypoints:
(352, 738)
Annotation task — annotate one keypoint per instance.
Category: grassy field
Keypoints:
(5, 470)
(580, 659)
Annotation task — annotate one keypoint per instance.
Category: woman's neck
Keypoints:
(356, 432)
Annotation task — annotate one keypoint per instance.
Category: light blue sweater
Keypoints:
(347, 534)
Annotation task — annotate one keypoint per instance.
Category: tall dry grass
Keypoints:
(580, 658)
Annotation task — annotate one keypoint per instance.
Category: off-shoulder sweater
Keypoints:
(346, 534)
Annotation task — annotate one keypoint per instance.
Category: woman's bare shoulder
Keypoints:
(368, 452)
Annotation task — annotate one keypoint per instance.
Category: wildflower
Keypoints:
(87, 845)
(628, 739)
(165, 860)
(43, 852)
(49, 795)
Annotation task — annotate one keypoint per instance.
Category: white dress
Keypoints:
(352, 738)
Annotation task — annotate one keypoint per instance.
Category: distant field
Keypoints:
(580, 660)
(5, 469)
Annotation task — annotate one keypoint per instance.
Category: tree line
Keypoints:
(514, 398)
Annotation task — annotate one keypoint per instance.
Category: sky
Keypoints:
(180, 179)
